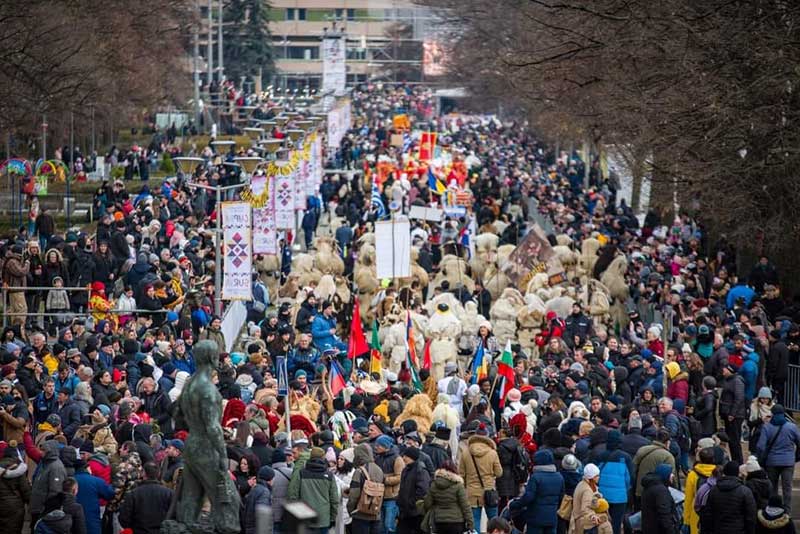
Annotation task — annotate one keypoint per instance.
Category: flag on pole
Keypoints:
(357, 345)
(377, 201)
(336, 375)
(411, 355)
(480, 366)
(436, 186)
(427, 146)
(505, 370)
(408, 142)
(375, 353)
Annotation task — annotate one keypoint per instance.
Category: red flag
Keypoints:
(426, 356)
(337, 381)
(427, 145)
(357, 344)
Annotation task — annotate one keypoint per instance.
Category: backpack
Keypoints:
(703, 490)
(520, 465)
(370, 500)
(684, 437)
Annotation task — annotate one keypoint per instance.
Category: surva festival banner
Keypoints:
(265, 234)
(237, 250)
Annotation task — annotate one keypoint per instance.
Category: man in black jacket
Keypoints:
(705, 412)
(146, 507)
(777, 365)
(72, 507)
(730, 506)
(733, 409)
(436, 446)
(414, 484)
(658, 508)
(633, 440)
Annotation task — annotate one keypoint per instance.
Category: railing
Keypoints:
(792, 394)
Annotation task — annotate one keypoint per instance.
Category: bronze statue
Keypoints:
(205, 475)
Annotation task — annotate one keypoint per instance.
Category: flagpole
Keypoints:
(494, 383)
(288, 416)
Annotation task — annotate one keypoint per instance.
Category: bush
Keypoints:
(167, 166)
(117, 172)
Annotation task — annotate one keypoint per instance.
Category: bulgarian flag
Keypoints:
(375, 352)
(412, 353)
(426, 355)
(505, 371)
(357, 344)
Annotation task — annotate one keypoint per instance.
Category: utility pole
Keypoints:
(196, 38)
(210, 45)
(44, 136)
(220, 56)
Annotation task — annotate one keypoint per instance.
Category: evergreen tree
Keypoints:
(248, 45)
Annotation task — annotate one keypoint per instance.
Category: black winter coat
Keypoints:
(146, 507)
(705, 413)
(761, 487)
(731, 400)
(414, 484)
(15, 492)
(506, 485)
(633, 441)
(658, 508)
(437, 453)
(730, 508)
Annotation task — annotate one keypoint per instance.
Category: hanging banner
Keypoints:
(338, 124)
(284, 201)
(265, 234)
(300, 185)
(393, 248)
(334, 67)
(238, 259)
(534, 254)
(319, 163)
(427, 146)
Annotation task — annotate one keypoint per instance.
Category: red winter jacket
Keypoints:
(679, 388)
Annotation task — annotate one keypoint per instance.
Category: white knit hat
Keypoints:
(751, 466)
(590, 471)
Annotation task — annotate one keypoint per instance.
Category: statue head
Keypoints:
(206, 353)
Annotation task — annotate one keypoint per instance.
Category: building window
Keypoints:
(301, 13)
(351, 14)
(339, 14)
(290, 13)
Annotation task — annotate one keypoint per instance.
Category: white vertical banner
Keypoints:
(334, 66)
(265, 234)
(284, 201)
(339, 119)
(301, 175)
(237, 250)
(393, 248)
(319, 163)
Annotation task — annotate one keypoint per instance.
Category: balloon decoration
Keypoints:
(53, 168)
(17, 166)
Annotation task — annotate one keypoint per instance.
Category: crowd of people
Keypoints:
(643, 388)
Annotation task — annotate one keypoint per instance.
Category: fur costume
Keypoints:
(530, 318)
(589, 248)
(418, 274)
(503, 315)
(561, 305)
(420, 409)
(327, 259)
(268, 267)
(449, 299)
(485, 254)
(290, 288)
(365, 278)
(446, 413)
(613, 278)
(394, 346)
(564, 240)
(456, 271)
(569, 260)
(326, 288)
(595, 299)
(444, 328)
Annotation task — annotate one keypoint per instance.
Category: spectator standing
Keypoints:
(364, 469)
(777, 447)
(733, 409)
(658, 507)
(146, 507)
(543, 493)
(479, 466)
(318, 489)
(730, 506)
(414, 484)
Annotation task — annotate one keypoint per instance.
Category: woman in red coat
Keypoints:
(678, 382)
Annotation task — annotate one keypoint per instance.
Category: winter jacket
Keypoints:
(647, 459)
(507, 452)
(447, 500)
(146, 507)
(362, 461)
(542, 497)
(782, 451)
(414, 484)
(15, 492)
(280, 487)
(778, 363)
(158, 405)
(215, 336)
(70, 414)
(581, 518)
(305, 317)
(732, 398)
(678, 388)
(14, 422)
(49, 478)
(15, 273)
(55, 522)
(760, 485)
(392, 466)
(633, 441)
(72, 507)
(91, 490)
(774, 521)
(658, 508)
(616, 475)
(317, 488)
(696, 476)
(259, 495)
(730, 508)
(484, 452)
(706, 413)
(438, 455)
(320, 332)
(749, 372)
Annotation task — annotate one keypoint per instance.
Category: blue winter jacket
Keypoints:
(320, 332)
(542, 497)
(749, 371)
(782, 451)
(615, 476)
(90, 490)
(739, 291)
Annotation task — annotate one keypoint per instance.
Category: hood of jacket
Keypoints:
(443, 479)
(480, 446)
(50, 450)
(727, 483)
(142, 433)
(651, 479)
(773, 519)
(362, 455)
(13, 468)
(58, 521)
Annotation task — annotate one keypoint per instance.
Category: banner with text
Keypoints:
(238, 259)
(265, 234)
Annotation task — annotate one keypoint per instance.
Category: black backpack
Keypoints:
(684, 437)
(520, 465)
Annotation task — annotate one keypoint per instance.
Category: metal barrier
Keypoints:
(792, 394)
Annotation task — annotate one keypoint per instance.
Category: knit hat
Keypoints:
(634, 422)
(672, 369)
(750, 466)
(765, 393)
(731, 469)
(266, 473)
(706, 443)
(408, 426)
(347, 454)
(411, 452)
(87, 446)
(613, 440)
(778, 408)
(482, 430)
(514, 395)
(600, 506)
(664, 471)
(384, 441)
(317, 452)
(278, 456)
(709, 382)
(590, 471)
(53, 420)
(543, 457)
(570, 463)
